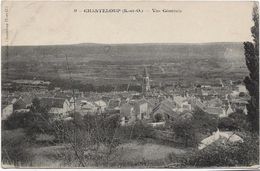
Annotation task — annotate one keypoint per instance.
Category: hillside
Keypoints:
(120, 61)
(126, 51)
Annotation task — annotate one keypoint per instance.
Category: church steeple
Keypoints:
(145, 72)
(146, 81)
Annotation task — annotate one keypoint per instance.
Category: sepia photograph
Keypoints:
(130, 85)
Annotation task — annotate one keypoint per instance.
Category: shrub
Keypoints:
(88, 136)
(135, 131)
(17, 120)
(227, 124)
(204, 122)
(14, 144)
(185, 131)
(217, 154)
(240, 121)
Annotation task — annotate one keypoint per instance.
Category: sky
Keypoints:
(55, 22)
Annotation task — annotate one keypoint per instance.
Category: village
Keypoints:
(153, 106)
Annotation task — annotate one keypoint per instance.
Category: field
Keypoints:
(101, 64)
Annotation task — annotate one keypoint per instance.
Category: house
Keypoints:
(101, 106)
(215, 111)
(88, 107)
(219, 111)
(234, 93)
(164, 110)
(141, 109)
(127, 113)
(185, 106)
(229, 110)
(59, 107)
(114, 106)
(215, 102)
(241, 88)
(23, 102)
(7, 110)
(72, 102)
(239, 105)
(223, 137)
(68, 95)
(182, 104)
(19, 104)
(204, 92)
(136, 110)
(7, 107)
(179, 100)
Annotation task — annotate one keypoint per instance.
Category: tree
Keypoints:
(220, 154)
(203, 122)
(184, 129)
(252, 81)
(91, 138)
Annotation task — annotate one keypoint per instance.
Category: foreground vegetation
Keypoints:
(34, 138)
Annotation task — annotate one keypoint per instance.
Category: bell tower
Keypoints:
(146, 81)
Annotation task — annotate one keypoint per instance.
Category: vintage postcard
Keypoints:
(134, 84)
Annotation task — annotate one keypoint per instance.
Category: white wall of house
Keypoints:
(242, 88)
(61, 111)
(143, 114)
(7, 111)
(132, 116)
(186, 106)
(229, 110)
(56, 110)
(102, 105)
(66, 106)
(89, 107)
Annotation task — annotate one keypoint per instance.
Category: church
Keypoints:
(146, 82)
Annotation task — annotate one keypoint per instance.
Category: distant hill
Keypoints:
(113, 61)
(88, 51)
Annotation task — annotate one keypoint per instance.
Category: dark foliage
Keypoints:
(102, 128)
(227, 124)
(203, 122)
(252, 81)
(35, 121)
(135, 131)
(234, 122)
(220, 155)
(14, 150)
(188, 130)
(184, 129)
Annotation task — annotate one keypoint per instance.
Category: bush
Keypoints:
(227, 124)
(14, 144)
(185, 131)
(102, 127)
(203, 122)
(34, 121)
(135, 131)
(17, 120)
(96, 133)
(240, 121)
(217, 154)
